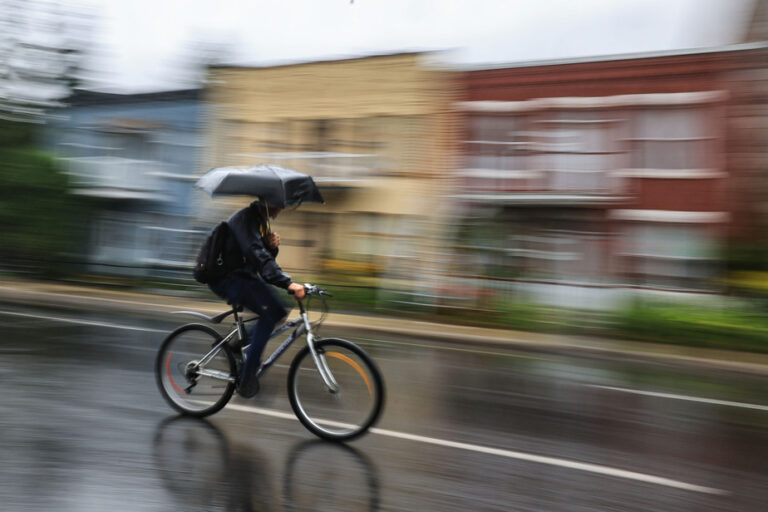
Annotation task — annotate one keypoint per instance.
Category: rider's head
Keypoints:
(274, 211)
(271, 210)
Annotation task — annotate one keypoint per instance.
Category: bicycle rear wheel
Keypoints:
(189, 387)
(351, 409)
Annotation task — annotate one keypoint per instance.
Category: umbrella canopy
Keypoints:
(275, 185)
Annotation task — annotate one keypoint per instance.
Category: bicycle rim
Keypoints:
(350, 410)
(187, 386)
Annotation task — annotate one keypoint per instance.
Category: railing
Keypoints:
(324, 166)
(114, 172)
(589, 182)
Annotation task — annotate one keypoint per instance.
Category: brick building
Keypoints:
(627, 170)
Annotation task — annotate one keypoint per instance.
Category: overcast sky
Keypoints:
(145, 45)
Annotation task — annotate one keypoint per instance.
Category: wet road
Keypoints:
(464, 428)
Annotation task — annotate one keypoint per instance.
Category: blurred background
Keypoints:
(582, 167)
(582, 176)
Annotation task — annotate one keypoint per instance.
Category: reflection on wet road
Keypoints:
(203, 469)
(465, 428)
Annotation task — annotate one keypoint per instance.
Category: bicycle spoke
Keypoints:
(189, 386)
(349, 409)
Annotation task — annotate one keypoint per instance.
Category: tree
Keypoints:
(43, 226)
(41, 46)
(39, 54)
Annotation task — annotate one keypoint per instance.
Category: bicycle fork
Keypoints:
(318, 356)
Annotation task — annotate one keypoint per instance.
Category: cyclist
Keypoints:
(257, 245)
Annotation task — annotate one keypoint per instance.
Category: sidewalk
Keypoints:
(34, 293)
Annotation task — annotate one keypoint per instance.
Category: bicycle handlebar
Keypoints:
(312, 289)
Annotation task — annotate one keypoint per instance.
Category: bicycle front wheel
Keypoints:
(190, 384)
(347, 408)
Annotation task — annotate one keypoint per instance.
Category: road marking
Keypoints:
(88, 297)
(80, 322)
(510, 454)
(146, 329)
(673, 396)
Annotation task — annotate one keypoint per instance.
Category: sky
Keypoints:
(148, 45)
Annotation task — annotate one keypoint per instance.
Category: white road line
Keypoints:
(552, 461)
(673, 396)
(81, 322)
(143, 329)
(87, 297)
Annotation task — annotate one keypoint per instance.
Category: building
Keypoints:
(373, 132)
(624, 171)
(135, 157)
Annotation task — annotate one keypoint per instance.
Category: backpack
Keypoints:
(212, 261)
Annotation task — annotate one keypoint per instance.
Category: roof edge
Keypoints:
(741, 47)
(323, 60)
(84, 97)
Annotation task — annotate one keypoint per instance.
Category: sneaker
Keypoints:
(248, 388)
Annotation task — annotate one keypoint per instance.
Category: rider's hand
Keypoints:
(273, 240)
(298, 291)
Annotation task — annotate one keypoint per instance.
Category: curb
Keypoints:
(57, 295)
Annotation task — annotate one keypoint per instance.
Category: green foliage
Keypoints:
(521, 316)
(696, 326)
(748, 283)
(42, 224)
(352, 298)
(15, 135)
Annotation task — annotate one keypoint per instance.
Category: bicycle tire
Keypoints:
(171, 375)
(361, 387)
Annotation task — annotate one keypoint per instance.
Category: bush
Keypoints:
(750, 283)
(43, 226)
(696, 326)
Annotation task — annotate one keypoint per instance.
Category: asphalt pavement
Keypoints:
(475, 419)
(59, 294)
(464, 428)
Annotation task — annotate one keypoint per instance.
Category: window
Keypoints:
(660, 254)
(673, 138)
(497, 142)
(577, 148)
(369, 235)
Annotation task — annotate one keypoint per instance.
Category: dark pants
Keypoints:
(242, 289)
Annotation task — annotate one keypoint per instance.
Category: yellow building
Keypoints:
(374, 133)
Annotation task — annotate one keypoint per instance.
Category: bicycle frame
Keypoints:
(303, 326)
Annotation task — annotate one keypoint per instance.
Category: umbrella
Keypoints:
(275, 185)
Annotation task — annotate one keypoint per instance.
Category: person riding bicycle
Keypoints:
(245, 286)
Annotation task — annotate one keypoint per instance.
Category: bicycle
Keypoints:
(334, 387)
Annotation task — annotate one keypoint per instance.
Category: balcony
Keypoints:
(328, 169)
(116, 178)
(551, 187)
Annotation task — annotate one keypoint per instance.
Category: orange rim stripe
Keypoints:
(355, 366)
(170, 378)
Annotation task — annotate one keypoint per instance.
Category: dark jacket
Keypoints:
(247, 225)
